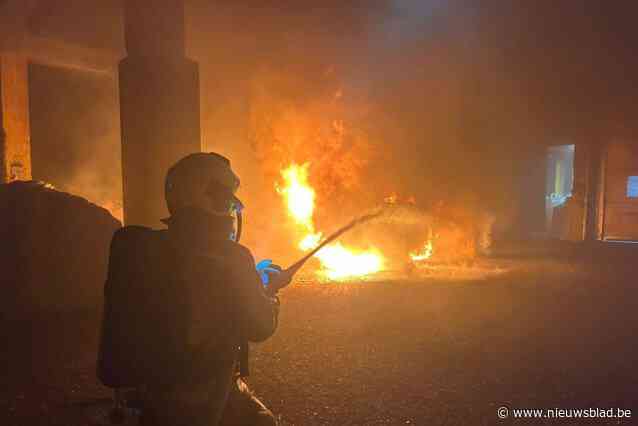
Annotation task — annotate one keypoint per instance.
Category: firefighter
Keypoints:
(201, 302)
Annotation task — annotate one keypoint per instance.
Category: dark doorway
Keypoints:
(75, 136)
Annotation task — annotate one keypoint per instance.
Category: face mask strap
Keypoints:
(237, 208)
(237, 235)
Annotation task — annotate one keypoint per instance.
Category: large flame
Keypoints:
(341, 262)
(300, 197)
(337, 260)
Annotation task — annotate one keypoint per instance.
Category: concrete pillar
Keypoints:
(159, 105)
(15, 134)
(595, 179)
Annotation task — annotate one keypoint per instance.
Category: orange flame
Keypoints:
(299, 195)
(338, 262)
(425, 253)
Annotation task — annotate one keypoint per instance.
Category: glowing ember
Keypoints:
(337, 261)
(425, 253)
(391, 199)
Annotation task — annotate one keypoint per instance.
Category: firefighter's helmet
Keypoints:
(202, 180)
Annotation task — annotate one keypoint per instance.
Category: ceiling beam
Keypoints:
(16, 38)
(58, 53)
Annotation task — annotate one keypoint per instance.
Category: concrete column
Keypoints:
(595, 179)
(159, 105)
(15, 134)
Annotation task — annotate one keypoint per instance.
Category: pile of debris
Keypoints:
(54, 250)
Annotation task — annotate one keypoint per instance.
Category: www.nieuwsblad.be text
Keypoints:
(563, 413)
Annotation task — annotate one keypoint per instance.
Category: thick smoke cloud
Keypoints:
(432, 99)
(371, 93)
(384, 75)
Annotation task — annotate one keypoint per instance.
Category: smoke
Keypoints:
(75, 134)
(276, 94)
(380, 97)
(367, 93)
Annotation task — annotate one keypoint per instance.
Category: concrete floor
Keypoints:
(429, 351)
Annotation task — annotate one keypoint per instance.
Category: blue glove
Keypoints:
(265, 268)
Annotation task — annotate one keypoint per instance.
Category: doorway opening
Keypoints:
(75, 133)
(559, 182)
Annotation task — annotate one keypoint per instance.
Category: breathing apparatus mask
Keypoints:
(236, 212)
(224, 203)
